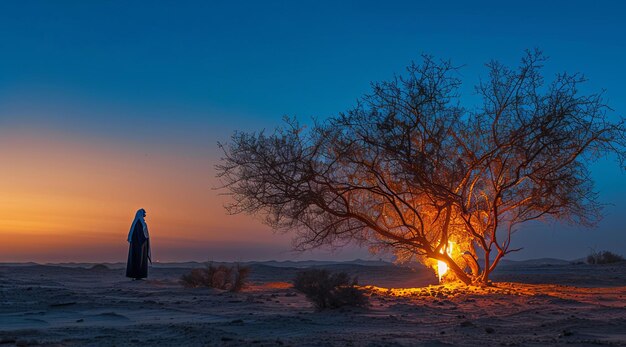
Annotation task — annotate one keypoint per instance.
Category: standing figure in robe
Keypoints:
(139, 248)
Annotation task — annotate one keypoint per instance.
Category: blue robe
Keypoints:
(138, 251)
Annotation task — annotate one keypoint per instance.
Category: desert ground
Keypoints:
(533, 303)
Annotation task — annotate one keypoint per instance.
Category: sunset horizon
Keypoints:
(98, 120)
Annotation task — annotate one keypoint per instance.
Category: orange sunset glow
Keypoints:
(67, 199)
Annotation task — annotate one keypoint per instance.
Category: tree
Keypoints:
(410, 170)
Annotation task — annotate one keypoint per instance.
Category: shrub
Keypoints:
(233, 278)
(241, 277)
(328, 290)
(604, 257)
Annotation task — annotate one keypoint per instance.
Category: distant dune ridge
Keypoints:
(288, 263)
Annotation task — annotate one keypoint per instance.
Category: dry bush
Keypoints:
(604, 257)
(240, 278)
(222, 277)
(328, 290)
(232, 278)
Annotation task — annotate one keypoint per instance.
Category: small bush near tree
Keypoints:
(240, 278)
(604, 257)
(232, 278)
(329, 290)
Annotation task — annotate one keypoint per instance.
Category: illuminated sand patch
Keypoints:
(613, 296)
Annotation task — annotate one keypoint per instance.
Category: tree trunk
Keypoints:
(460, 274)
(472, 263)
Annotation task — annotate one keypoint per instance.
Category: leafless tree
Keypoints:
(410, 170)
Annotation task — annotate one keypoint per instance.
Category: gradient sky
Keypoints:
(110, 106)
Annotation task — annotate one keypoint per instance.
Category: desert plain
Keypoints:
(532, 303)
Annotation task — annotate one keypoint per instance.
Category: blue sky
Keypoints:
(177, 77)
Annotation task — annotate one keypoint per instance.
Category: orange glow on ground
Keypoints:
(459, 290)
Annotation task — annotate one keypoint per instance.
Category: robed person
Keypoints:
(139, 248)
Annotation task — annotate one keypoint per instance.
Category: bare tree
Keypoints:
(409, 170)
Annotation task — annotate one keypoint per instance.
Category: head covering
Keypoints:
(139, 217)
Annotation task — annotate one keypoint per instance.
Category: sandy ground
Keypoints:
(533, 304)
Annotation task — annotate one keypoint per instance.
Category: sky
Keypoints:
(110, 106)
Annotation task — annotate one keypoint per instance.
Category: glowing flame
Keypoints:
(442, 267)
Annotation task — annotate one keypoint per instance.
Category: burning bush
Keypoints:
(604, 257)
(408, 169)
(328, 290)
(231, 278)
